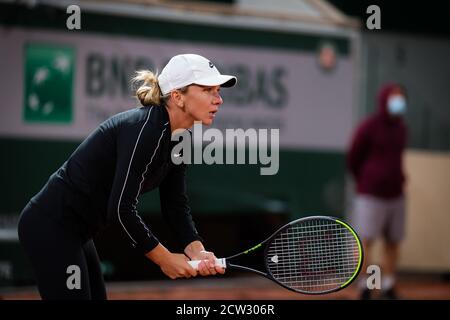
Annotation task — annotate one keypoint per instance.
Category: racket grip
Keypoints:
(219, 262)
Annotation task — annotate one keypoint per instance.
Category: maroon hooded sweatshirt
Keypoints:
(375, 154)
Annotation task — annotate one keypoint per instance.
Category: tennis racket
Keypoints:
(311, 255)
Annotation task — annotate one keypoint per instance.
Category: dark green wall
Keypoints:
(301, 186)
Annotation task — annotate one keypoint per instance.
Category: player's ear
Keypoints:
(178, 98)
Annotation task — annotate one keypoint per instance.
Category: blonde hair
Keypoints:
(149, 92)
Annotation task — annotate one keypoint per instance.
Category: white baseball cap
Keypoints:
(186, 69)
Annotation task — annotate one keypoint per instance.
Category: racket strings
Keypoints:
(313, 256)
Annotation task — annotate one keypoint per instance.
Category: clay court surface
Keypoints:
(240, 288)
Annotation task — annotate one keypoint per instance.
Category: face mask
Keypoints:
(396, 105)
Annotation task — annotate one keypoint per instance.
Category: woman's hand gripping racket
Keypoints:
(312, 255)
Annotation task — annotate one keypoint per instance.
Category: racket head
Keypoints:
(314, 255)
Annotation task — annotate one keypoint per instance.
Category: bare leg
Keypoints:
(391, 252)
(362, 282)
(367, 247)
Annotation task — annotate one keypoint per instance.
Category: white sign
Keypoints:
(277, 89)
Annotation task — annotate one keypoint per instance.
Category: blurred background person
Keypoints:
(375, 162)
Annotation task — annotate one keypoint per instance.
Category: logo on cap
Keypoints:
(211, 65)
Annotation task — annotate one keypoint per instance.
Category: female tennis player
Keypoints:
(127, 155)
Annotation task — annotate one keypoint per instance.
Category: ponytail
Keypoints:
(149, 92)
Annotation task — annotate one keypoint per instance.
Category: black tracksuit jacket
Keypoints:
(126, 156)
